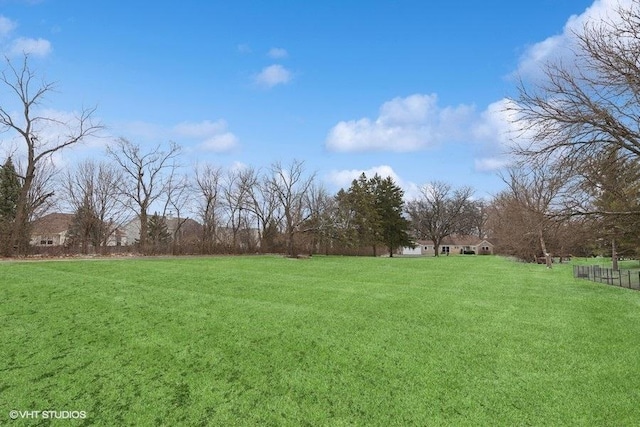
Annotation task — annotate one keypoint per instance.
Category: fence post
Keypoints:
(620, 277)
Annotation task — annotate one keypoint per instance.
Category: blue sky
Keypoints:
(414, 89)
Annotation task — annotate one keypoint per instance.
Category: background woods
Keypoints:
(571, 187)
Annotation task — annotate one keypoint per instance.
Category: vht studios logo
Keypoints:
(53, 415)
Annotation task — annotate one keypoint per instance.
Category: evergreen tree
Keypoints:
(390, 207)
(9, 192)
(373, 209)
(157, 233)
(364, 221)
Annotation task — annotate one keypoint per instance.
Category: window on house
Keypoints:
(46, 241)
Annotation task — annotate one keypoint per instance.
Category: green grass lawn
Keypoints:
(321, 341)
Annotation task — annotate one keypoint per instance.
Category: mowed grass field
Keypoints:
(266, 340)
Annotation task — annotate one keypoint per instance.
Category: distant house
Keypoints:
(452, 245)
(182, 230)
(51, 229)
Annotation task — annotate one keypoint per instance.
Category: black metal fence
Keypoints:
(623, 278)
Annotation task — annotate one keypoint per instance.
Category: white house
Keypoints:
(451, 245)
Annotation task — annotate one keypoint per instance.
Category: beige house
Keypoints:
(451, 245)
(53, 230)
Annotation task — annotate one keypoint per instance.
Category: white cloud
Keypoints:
(277, 53)
(403, 124)
(497, 124)
(273, 75)
(220, 143)
(238, 166)
(494, 130)
(36, 47)
(343, 178)
(206, 135)
(202, 129)
(6, 26)
(416, 123)
(559, 46)
(214, 135)
(490, 164)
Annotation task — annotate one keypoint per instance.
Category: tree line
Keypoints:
(573, 187)
(281, 208)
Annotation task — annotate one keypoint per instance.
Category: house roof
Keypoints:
(184, 223)
(188, 226)
(52, 223)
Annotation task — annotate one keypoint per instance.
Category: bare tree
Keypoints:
(146, 176)
(587, 107)
(591, 102)
(235, 198)
(41, 135)
(536, 192)
(209, 192)
(439, 212)
(320, 224)
(474, 218)
(290, 185)
(42, 194)
(178, 192)
(91, 190)
(264, 205)
(248, 181)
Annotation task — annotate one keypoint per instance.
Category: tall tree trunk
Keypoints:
(614, 254)
(144, 230)
(436, 247)
(543, 246)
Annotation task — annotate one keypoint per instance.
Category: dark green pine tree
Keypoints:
(361, 200)
(158, 233)
(393, 226)
(375, 213)
(9, 191)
